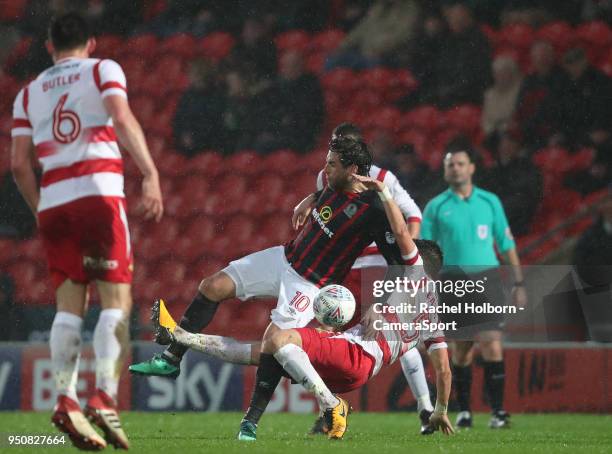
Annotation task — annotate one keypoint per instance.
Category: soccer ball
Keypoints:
(334, 306)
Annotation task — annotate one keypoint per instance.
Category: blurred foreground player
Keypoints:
(70, 117)
(326, 363)
(411, 361)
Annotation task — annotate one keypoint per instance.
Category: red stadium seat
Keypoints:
(315, 63)
(387, 118)
(426, 118)
(401, 83)
(377, 79)
(596, 33)
(172, 164)
(282, 161)
(13, 10)
(516, 36)
(108, 46)
(216, 46)
(245, 162)
(142, 46)
(418, 140)
(268, 184)
(465, 118)
(582, 159)
(553, 160)
(181, 44)
(143, 108)
(341, 80)
(365, 99)
(292, 40)
(208, 163)
(327, 41)
(276, 229)
(559, 34)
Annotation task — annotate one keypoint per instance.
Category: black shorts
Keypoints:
(469, 320)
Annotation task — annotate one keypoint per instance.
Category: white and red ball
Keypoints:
(334, 306)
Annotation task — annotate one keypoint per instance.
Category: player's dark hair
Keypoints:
(432, 256)
(461, 144)
(69, 31)
(348, 130)
(351, 152)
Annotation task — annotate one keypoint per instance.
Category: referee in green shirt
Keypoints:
(468, 222)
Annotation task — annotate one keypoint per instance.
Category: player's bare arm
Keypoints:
(519, 294)
(131, 136)
(439, 418)
(22, 150)
(302, 211)
(394, 215)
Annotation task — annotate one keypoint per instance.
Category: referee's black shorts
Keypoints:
(469, 324)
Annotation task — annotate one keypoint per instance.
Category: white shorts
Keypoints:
(267, 273)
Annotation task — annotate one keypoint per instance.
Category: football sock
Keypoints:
(295, 361)
(495, 378)
(462, 382)
(224, 348)
(412, 366)
(269, 374)
(65, 345)
(197, 317)
(107, 349)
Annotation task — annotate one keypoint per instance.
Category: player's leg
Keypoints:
(254, 275)
(224, 348)
(111, 343)
(462, 380)
(494, 376)
(414, 372)
(65, 345)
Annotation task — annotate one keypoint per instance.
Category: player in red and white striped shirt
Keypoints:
(71, 118)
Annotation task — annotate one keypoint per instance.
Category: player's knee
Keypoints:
(216, 287)
(276, 341)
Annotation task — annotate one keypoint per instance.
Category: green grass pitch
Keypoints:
(186, 433)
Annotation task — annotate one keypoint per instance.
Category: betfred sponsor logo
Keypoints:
(38, 384)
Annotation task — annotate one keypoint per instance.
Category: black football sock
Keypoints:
(495, 379)
(462, 382)
(197, 317)
(268, 376)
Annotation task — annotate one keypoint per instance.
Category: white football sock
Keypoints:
(224, 348)
(295, 361)
(107, 348)
(412, 366)
(65, 344)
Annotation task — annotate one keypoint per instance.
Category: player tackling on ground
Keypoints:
(326, 363)
(371, 259)
(71, 117)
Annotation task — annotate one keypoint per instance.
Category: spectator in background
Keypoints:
(296, 108)
(16, 219)
(12, 317)
(199, 114)
(520, 182)
(585, 102)
(351, 14)
(255, 54)
(593, 261)
(500, 99)
(462, 65)
(599, 174)
(416, 177)
(538, 100)
(388, 26)
(238, 115)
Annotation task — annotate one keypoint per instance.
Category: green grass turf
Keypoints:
(373, 433)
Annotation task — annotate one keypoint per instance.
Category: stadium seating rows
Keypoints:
(221, 207)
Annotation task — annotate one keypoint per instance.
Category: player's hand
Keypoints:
(151, 203)
(519, 296)
(441, 422)
(301, 212)
(370, 183)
